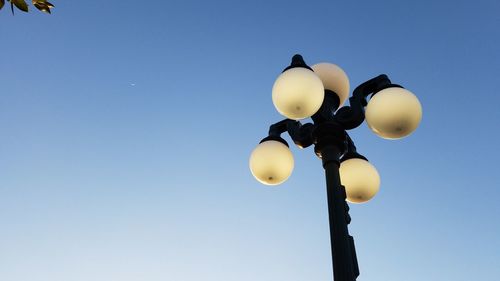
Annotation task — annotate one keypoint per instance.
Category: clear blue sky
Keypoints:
(126, 126)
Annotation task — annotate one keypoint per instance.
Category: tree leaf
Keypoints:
(2, 2)
(43, 5)
(20, 4)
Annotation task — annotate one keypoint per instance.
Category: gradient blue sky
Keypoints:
(126, 128)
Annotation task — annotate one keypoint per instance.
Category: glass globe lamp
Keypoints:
(360, 179)
(334, 79)
(393, 113)
(298, 93)
(271, 162)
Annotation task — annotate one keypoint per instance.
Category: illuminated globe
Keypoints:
(334, 79)
(360, 179)
(393, 113)
(271, 162)
(298, 93)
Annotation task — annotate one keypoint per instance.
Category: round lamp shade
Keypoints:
(298, 93)
(334, 79)
(271, 162)
(393, 113)
(360, 179)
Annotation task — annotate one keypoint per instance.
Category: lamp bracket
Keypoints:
(301, 134)
(352, 116)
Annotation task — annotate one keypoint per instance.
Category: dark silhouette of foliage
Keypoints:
(42, 5)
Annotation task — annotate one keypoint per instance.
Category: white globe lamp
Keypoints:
(271, 162)
(393, 113)
(360, 179)
(334, 79)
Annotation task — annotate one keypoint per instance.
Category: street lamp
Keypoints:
(300, 92)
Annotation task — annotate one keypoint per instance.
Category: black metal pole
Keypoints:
(330, 145)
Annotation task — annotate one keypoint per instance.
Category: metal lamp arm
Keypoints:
(300, 134)
(279, 128)
(350, 143)
(353, 115)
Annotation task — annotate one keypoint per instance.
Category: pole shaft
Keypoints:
(345, 266)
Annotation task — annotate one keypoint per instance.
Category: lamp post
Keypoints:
(300, 92)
